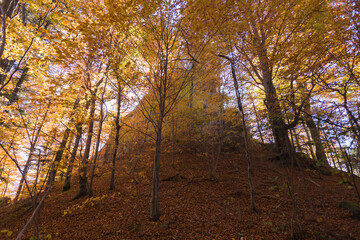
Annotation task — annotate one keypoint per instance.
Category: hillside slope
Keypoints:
(194, 207)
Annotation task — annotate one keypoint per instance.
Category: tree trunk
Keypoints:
(277, 123)
(245, 133)
(310, 147)
(83, 182)
(32, 148)
(63, 143)
(154, 210)
(67, 182)
(97, 144)
(25, 172)
(349, 165)
(117, 136)
(258, 123)
(329, 148)
(315, 136)
(298, 146)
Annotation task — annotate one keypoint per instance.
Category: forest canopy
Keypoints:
(86, 84)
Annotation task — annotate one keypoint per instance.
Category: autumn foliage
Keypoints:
(240, 118)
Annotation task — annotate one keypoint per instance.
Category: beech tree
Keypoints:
(264, 48)
(163, 54)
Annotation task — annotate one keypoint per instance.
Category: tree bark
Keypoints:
(83, 181)
(277, 123)
(97, 144)
(154, 210)
(60, 151)
(313, 155)
(245, 133)
(67, 182)
(315, 136)
(162, 91)
(117, 136)
(258, 125)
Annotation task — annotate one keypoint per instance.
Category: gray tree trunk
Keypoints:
(277, 123)
(83, 181)
(117, 136)
(67, 182)
(97, 144)
(315, 136)
(154, 210)
(246, 139)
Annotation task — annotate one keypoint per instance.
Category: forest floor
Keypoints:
(195, 208)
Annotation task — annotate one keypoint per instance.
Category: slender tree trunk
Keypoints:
(63, 143)
(37, 209)
(355, 127)
(349, 166)
(14, 94)
(59, 154)
(337, 156)
(315, 136)
(3, 24)
(295, 159)
(67, 154)
(245, 133)
(329, 148)
(97, 144)
(298, 145)
(154, 203)
(258, 123)
(32, 148)
(4, 190)
(25, 172)
(313, 156)
(191, 99)
(67, 182)
(117, 136)
(36, 195)
(154, 210)
(83, 181)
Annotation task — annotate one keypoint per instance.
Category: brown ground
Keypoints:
(196, 208)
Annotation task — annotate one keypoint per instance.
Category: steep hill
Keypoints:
(194, 207)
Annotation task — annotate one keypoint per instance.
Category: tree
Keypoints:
(92, 104)
(265, 40)
(168, 70)
(244, 125)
